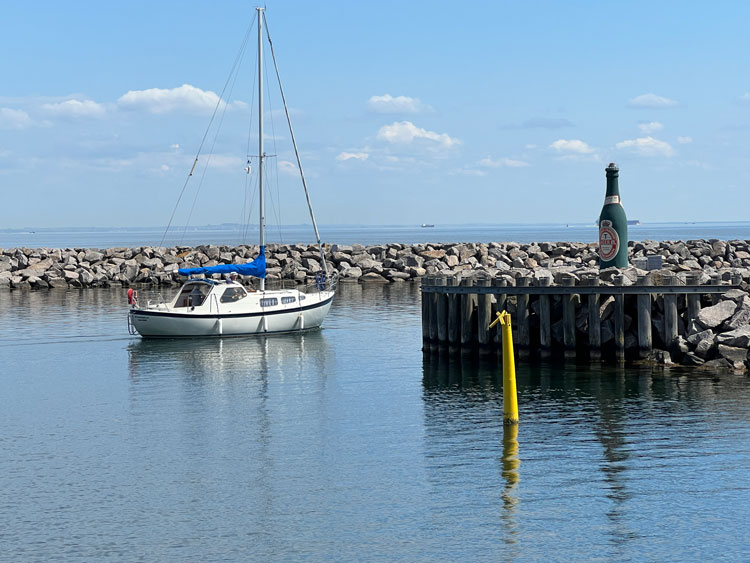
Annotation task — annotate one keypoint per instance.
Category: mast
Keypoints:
(261, 155)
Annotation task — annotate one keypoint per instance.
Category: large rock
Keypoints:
(93, 256)
(351, 273)
(733, 354)
(372, 277)
(705, 348)
(410, 260)
(741, 316)
(430, 254)
(711, 317)
(739, 337)
(695, 338)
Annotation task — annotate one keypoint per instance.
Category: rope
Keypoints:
(296, 151)
(205, 135)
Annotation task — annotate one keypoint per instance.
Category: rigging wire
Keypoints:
(245, 217)
(213, 144)
(296, 151)
(275, 207)
(210, 123)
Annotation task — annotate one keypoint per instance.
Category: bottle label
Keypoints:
(611, 199)
(609, 241)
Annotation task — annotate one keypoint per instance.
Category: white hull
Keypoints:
(213, 318)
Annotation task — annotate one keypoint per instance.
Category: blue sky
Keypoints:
(405, 112)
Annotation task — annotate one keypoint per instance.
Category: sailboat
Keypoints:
(208, 307)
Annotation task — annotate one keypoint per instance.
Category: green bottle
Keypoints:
(613, 225)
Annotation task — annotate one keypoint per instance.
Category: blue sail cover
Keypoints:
(255, 268)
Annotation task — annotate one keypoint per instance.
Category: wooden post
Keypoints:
(484, 311)
(619, 321)
(454, 318)
(569, 319)
(715, 280)
(500, 304)
(433, 317)
(595, 323)
(425, 298)
(545, 322)
(441, 310)
(645, 343)
(468, 322)
(670, 315)
(522, 319)
(693, 299)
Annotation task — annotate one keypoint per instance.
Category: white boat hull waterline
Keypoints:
(214, 318)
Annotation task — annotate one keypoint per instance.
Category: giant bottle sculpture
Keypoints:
(613, 225)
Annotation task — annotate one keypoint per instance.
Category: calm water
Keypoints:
(344, 444)
(364, 234)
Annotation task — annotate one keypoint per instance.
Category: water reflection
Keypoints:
(511, 463)
(609, 423)
(224, 359)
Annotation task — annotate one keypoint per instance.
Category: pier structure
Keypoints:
(573, 319)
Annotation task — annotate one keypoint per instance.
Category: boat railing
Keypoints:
(322, 282)
(159, 301)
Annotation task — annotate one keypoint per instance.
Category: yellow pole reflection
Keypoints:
(510, 463)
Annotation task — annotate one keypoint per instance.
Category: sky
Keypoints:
(405, 112)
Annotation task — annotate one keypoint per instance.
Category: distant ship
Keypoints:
(426, 225)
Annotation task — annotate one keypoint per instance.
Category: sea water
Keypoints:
(347, 444)
(362, 234)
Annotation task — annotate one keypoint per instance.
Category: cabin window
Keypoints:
(192, 295)
(301, 297)
(269, 302)
(233, 294)
(287, 300)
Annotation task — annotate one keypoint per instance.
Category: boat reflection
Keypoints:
(224, 359)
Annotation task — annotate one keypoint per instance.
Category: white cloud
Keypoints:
(287, 168)
(14, 119)
(352, 156)
(744, 98)
(75, 108)
(490, 163)
(684, 140)
(175, 146)
(651, 127)
(651, 101)
(572, 146)
(398, 104)
(160, 100)
(647, 146)
(405, 132)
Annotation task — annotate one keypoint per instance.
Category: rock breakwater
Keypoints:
(39, 268)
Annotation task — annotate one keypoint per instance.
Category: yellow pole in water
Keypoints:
(510, 397)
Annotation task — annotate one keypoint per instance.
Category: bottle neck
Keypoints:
(613, 187)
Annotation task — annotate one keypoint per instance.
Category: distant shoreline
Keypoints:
(361, 234)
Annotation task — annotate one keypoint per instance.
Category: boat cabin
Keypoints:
(195, 292)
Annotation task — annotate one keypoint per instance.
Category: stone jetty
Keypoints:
(38, 268)
(717, 331)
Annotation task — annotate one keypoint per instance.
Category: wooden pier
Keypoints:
(572, 319)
